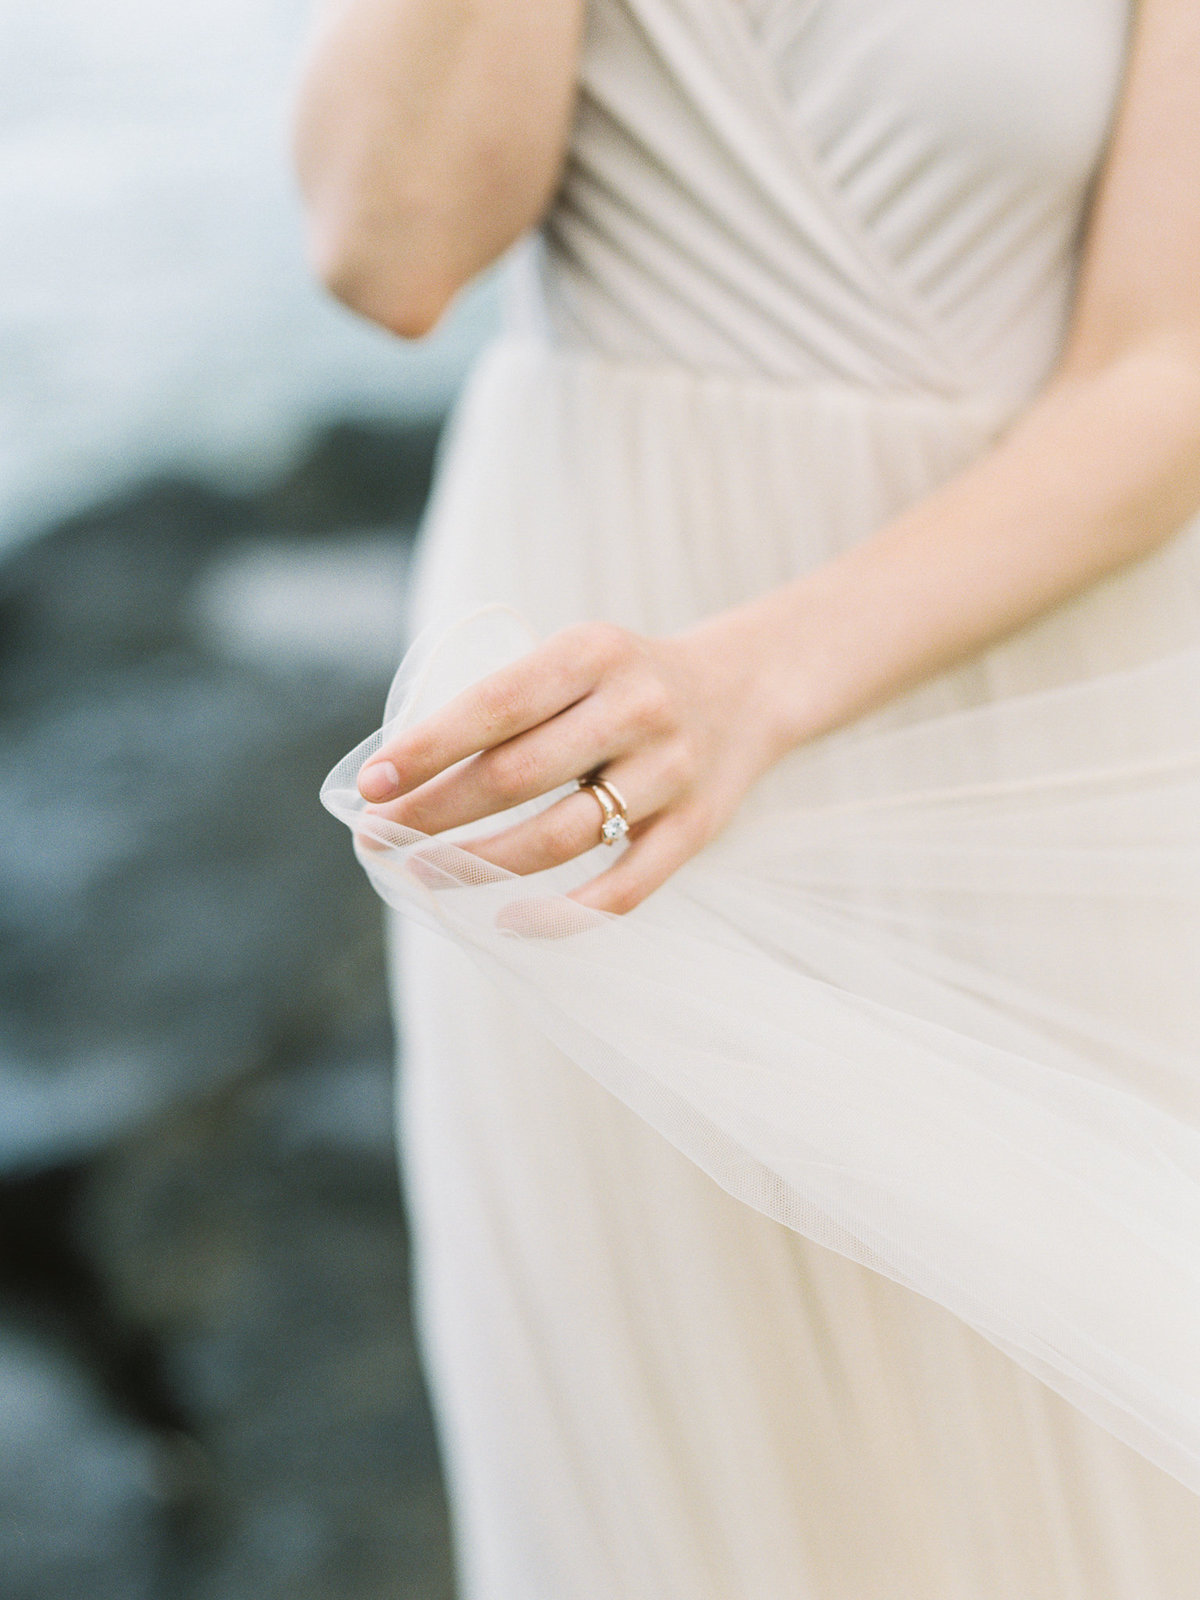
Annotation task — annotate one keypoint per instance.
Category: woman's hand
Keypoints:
(1100, 470)
(679, 725)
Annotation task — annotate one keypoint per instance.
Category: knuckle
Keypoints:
(562, 835)
(511, 773)
(650, 706)
(412, 753)
(599, 645)
(679, 766)
(501, 703)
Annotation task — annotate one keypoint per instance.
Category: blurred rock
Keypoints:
(174, 905)
(258, 1240)
(197, 1176)
(80, 1507)
(113, 586)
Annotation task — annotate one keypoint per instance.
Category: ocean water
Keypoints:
(156, 312)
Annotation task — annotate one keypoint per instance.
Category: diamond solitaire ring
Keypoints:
(614, 824)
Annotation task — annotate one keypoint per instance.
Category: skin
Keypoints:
(1101, 468)
(429, 134)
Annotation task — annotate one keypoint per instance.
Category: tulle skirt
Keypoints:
(928, 1013)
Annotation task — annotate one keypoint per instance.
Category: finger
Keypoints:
(534, 763)
(658, 851)
(375, 830)
(571, 825)
(551, 917)
(444, 866)
(518, 697)
(564, 830)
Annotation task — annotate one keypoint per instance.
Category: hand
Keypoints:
(679, 724)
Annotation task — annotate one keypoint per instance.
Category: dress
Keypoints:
(869, 1268)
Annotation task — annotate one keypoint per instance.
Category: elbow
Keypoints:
(399, 283)
(371, 232)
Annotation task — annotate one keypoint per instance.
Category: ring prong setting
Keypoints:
(614, 824)
(613, 828)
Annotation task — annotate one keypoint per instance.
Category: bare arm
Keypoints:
(428, 135)
(1101, 469)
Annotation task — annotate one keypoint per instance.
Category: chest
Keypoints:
(1019, 84)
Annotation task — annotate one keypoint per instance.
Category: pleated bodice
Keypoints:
(886, 195)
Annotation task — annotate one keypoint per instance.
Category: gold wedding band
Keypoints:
(614, 824)
(615, 795)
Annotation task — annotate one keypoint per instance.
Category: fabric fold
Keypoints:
(786, 1011)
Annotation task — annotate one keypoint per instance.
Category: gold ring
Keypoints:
(614, 824)
(615, 793)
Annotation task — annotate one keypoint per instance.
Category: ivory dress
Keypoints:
(829, 1227)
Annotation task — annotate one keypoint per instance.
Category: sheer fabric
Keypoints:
(931, 1001)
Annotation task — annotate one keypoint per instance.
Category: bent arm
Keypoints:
(1102, 467)
(428, 136)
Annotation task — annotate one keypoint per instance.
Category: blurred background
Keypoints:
(209, 480)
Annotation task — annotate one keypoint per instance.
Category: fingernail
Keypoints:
(379, 781)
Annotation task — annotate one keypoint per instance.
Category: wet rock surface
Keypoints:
(255, 1240)
(202, 1256)
(79, 1501)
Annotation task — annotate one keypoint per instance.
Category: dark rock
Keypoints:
(57, 1294)
(195, 1126)
(111, 584)
(80, 1498)
(355, 475)
(174, 905)
(258, 1241)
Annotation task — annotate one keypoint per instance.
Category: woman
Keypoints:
(864, 599)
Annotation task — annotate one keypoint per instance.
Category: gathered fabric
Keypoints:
(932, 999)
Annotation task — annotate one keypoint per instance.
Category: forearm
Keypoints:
(428, 136)
(1099, 471)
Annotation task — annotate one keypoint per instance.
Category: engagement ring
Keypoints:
(614, 824)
